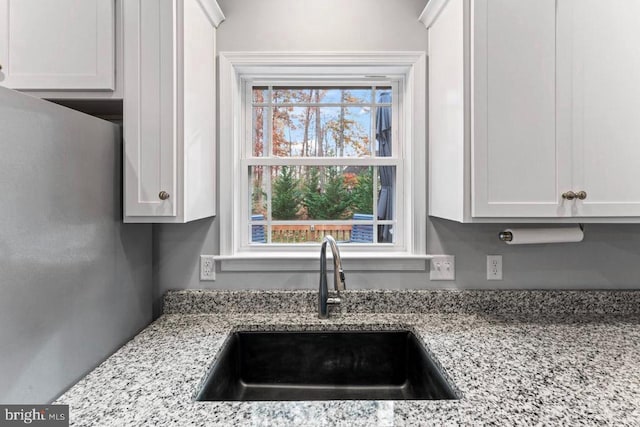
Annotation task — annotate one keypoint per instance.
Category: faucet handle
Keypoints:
(334, 301)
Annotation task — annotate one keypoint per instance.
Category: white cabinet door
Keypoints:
(519, 167)
(169, 110)
(149, 109)
(57, 44)
(599, 50)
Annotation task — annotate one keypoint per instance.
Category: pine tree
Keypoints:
(337, 199)
(332, 202)
(362, 194)
(313, 200)
(286, 196)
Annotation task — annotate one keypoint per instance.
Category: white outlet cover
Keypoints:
(494, 267)
(443, 267)
(207, 268)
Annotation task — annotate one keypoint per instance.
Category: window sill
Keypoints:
(297, 261)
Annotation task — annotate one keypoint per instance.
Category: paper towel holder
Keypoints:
(507, 236)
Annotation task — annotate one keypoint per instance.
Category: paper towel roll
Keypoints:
(531, 236)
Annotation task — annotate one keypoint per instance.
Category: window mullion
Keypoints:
(322, 161)
(375, 204)
(374, 154)
(269, 150)
(269, 153)
(268, 185)
(372, 136)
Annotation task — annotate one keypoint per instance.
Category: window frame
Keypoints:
(397, 160)
(239, 70)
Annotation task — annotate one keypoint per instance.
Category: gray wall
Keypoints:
(608, 258)
(75, 283)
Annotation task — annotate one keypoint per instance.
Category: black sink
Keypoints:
(381, 365)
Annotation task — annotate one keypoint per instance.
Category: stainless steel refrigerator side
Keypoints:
(75, 282)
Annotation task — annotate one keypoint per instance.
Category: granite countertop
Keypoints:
(516, 357)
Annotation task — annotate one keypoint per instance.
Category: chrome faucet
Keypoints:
(338, 277)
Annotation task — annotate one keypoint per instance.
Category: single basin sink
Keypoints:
(381, 365)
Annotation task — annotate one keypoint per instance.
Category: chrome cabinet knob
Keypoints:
(163, 195)
(581, 195)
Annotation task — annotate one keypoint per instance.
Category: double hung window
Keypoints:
(313, 144)
(322, 159)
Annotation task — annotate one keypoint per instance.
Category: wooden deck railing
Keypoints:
(304, 233)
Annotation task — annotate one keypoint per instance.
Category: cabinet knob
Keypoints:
(569, 195)
(581, 195)
(0, 67)
(163, 195)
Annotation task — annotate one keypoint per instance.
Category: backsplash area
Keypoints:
(408, 302)
(608, 258)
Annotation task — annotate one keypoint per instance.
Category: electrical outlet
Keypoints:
(207, 267)
(494, 267)
(443, 267)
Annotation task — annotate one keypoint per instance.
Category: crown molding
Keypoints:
(431, 11)
(213, 11)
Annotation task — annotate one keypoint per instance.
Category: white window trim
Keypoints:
(235, 67)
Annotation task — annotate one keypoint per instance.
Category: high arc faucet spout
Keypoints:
(338, 277)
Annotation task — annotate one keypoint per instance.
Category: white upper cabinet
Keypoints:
(531, 102)
(57, 45)
(169, 109)
(516, 157)
(599, 102)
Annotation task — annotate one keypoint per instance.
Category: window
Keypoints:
(314, 144)
(320, 160)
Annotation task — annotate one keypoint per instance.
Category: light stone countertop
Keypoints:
(513, 364)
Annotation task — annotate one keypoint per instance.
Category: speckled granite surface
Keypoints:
(512, 368)
(408, 301)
